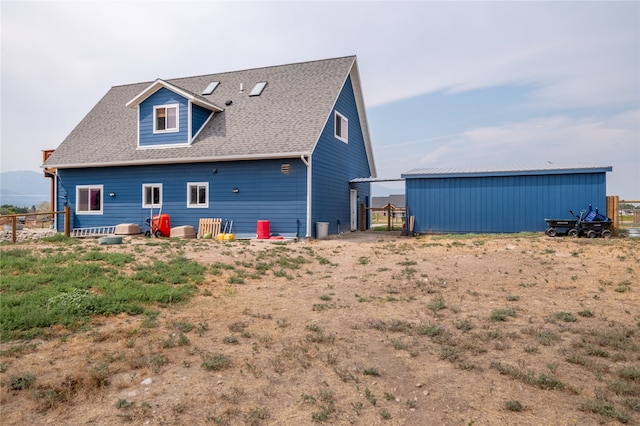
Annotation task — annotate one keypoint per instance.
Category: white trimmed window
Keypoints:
(198, 194)
(341, 127)
(165, 118)
(152, 195)
(89, 199)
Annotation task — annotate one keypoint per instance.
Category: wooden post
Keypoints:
(14, 219)
(388, 207)
(613, 206)
(67, 221)
(363, 217)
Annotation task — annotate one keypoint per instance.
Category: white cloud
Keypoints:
(561, 140)
(558, 139)
(576, 52)
(59, 58)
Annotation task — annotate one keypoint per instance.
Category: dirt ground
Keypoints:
(364, 328)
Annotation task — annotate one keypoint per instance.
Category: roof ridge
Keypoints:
(267, 66)
(237, 70)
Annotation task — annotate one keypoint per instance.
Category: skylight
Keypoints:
(258, 88)
(210, 88)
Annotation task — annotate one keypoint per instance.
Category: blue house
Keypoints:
(501, 200)
(279, 143)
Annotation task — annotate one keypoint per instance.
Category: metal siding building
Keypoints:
(500, 201)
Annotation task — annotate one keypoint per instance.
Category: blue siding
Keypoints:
(335, 163)
(163, 97)
(264, 193)
(199, 116)
(500, 203)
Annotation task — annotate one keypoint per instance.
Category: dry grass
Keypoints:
(366, 329)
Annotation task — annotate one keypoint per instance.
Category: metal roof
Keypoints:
(548, 169)
(375, 179)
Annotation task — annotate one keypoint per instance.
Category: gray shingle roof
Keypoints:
(284, 121)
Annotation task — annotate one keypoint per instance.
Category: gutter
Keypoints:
(183, 160)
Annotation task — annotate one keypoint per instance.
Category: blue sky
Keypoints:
(447, 84)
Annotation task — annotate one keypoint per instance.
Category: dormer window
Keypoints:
(165, 118)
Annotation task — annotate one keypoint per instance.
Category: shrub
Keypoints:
(605, 408)
(436, 304)
(23, 381)
(371, 372)
(501, 314)
(513, 405)
(215, 362)
(565, 316)
(430, 330)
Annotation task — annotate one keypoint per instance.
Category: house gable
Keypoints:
(169, 116)
(336, 161)
(148, 134)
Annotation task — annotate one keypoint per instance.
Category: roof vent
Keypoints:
(258, 88)
(210, 88)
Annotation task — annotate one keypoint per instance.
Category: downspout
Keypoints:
(307, 162)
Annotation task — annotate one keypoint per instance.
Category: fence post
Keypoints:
(67, 221)
(613, 206)
(388, 209)
(14, 219)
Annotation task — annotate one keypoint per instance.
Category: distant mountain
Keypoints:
(24, 188)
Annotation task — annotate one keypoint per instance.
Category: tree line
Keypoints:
(6, 209)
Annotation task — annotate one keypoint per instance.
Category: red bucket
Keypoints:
(263, 230)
